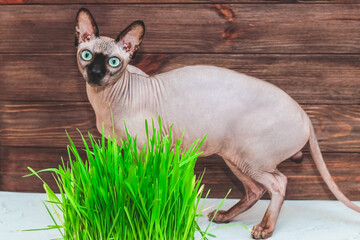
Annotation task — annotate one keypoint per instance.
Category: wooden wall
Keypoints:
(311, 49)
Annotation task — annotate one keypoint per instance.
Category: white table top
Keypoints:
(298, 220)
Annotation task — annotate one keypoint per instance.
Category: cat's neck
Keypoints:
(134, 70)
(134, 91)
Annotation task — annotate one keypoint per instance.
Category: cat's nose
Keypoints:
(96, 73)
(95, 76)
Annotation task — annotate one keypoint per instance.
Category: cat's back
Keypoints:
(219, 81)
(206, 74)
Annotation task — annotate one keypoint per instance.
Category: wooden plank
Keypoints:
(39, 77)
(14, 163)
(179, 28)
(337, 127)
(173, 1)
(314, 79)
(304, 180)
(43, 124)
(152, 1)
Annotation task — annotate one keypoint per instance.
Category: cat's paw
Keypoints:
(219, 218)
(261, 232)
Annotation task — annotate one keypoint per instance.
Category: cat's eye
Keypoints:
(86, 55)
(114, 62)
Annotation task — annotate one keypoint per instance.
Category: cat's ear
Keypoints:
(86, 28)
(131, 37)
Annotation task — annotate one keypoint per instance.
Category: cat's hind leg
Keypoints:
(253, 192)
(275, 183)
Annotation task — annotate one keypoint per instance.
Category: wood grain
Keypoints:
(309, 79)
(14, 163)
(44, 124)
(304, 179)
(179, 28)
(173, 1)
(336, 126)
(311, 51)
(38, 77)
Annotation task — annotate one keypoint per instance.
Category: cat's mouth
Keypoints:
(94, 84)
(97, 82)
(100, 83)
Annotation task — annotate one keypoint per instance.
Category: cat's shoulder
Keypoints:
(133, 69)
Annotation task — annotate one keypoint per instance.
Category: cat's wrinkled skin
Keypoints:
(251, 124)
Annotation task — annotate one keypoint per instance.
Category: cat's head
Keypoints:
(102, 60)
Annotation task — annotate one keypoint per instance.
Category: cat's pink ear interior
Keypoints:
(131, 37)
(86, 28)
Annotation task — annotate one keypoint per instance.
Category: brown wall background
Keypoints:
(311, 49)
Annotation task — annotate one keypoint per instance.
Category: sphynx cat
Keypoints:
(251, 124)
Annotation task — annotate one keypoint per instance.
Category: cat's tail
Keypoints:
(324, 172)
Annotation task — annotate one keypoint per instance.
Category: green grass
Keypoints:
(120, 192)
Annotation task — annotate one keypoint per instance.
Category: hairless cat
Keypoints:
(251, 124)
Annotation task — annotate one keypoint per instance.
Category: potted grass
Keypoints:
(120, 192)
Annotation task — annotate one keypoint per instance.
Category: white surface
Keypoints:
(298, 220)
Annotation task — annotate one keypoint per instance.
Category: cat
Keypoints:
(251, 124)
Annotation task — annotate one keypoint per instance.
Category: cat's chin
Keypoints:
(99, 84)
(96, 85)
